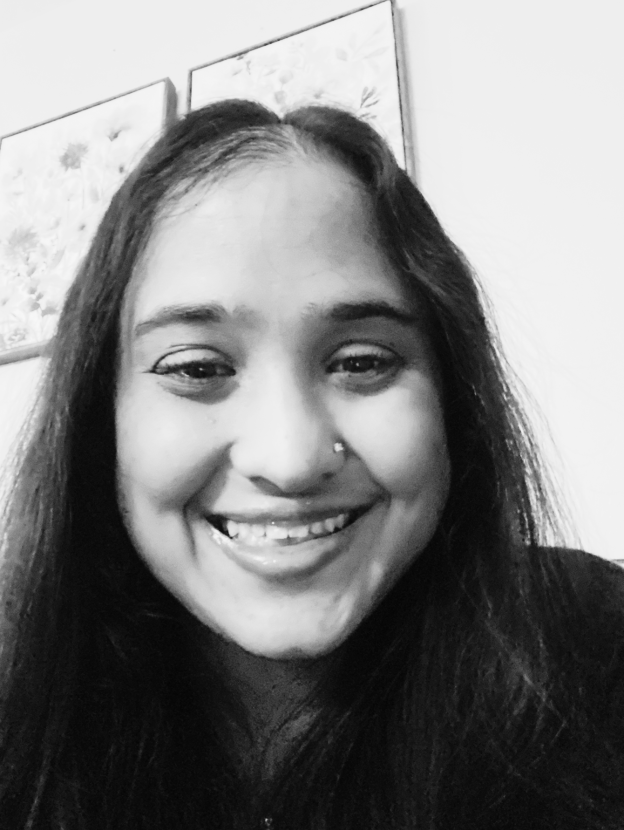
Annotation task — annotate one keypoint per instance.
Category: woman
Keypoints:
(274, 555)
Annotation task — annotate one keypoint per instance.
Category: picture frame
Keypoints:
(56, 181)
(353, 61)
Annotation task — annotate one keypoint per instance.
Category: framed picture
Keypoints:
(350, 61)
(56, 180)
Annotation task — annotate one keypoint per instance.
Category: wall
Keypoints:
(516, 111)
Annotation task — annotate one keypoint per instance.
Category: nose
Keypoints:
(286, 441)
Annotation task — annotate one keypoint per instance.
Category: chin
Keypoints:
(302, 648)
(287, 651)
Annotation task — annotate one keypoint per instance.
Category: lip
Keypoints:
(296, 561)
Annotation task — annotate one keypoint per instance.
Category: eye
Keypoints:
(365, 367)
(195, 369)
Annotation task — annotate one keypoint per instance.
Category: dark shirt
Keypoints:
(578, 782)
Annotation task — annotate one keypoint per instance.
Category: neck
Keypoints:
(271, 691)
(277, 698)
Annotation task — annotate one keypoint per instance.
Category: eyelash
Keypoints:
(379, 366)
(203, 364)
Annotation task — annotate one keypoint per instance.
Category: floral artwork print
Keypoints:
(56, 181)
(349, 62)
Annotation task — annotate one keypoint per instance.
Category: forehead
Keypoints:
(268, 237)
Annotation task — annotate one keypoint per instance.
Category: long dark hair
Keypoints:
(446, 696)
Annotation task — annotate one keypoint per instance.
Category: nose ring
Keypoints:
(339, 447)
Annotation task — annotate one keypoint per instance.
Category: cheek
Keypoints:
(402, 439)
(164, 451)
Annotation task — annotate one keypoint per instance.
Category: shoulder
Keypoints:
(580, 560)
(581, 605)
(581, 614)
(580, 563)
(575, 602)
(594, 583)
(578, 593)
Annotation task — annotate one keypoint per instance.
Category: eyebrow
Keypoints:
(215, 313)
(172, 315)
(352, 312)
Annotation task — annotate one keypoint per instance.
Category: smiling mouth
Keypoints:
(282, 533)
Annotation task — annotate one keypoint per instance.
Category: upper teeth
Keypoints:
(252, 532)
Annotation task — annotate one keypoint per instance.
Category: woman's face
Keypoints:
(263, 327)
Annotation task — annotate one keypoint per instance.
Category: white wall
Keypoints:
(518, 126)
